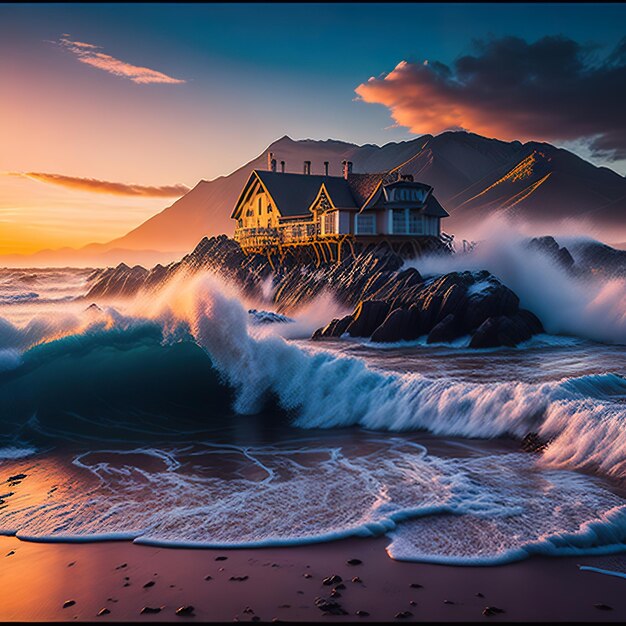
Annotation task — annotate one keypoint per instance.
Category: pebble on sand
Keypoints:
(335, 579)
(11, 553)
(184, 610)
(360, 613)
(356, 579)
(354, 562)
(150, 583)
(238, 578)
(208, 578)
(403, 614)
(492, 610)
(104, 611)
(69, 603)
(150, 609)
(221, 558)
(416, 586)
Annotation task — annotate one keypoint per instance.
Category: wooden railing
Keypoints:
(294, 232)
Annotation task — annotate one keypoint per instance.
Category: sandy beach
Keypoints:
(282, 584)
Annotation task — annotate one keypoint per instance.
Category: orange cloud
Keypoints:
(552, 89)
(104, 186)
(88, 53)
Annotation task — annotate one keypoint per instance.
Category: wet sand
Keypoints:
(283, 584)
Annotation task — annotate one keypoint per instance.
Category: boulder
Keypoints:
(367, 317)
(335, 328)
(399, 325)
(445, 331)
(501, 331)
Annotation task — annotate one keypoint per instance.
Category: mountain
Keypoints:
(474, 177)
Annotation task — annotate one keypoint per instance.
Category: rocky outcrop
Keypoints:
(446, 308)
(391, 302)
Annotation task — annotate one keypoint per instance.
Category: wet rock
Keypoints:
(360, 613)
(399, 325)
(68, 603)
(354, 562)
(335, 579)
(185, 611)
(603, 607)
(335, 328)
(492, 610)
(150, 609)
(403, 614)
(501, 331)
(445, 331)
(332, 607)
(102, 612)
(367, 317)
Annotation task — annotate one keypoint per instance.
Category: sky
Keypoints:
(109, 112)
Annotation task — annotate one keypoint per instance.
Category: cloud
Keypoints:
(89, 53)
(552, 89)
(104, 186)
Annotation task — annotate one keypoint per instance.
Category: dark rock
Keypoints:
(501, 331)
(239, 578)
(412, 603)
(208, 578)
(221, 558)
(532, 321)
(68, 603)
(150, 583)
(354, 562)
(356, 579)
(361, 613)
(17, 477)
(367, 317)
(122, 566)
(403, 614)
(335, 594)
(71, 564)
(445, 331)
(416, 586)
(448, 602)
(397, 326)
(150, 609)
(331, 607)
(492, 610)
(185, 611)
(10, 553)
(104, 611)
(603, 607)
(335, 328)
(479, 595)
(335, 579)
(248, 610)
(307, 575)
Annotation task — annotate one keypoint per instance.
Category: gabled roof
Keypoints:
(293, 194)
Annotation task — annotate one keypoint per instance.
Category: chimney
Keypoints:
(282, 167)
(325, 168)
(347, 168)
(307, 167)
(271, 162)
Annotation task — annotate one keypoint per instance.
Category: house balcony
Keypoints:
(288, 233)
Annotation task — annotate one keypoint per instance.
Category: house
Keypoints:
(277, 209)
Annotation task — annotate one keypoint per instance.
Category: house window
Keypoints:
(329, 222)
(366, 224)
(259, 204)
(399, 221)
(416, 223)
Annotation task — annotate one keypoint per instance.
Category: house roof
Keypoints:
(293, 194)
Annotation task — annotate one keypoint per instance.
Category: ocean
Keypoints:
(179, 418)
